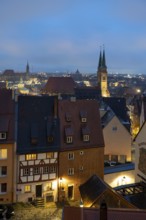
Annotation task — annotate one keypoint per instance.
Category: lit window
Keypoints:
(86, 137)
(27, 188)
(3, 187)
(26, 171)
(36, 170)
(71, 156)
(50, 155)
(3, 153)
(69, 139)
(71, 171)
(3, 171)
(3, 136)
(30, 156)
(49, 186)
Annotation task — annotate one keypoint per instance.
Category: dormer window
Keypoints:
(3, 136)
(69, 135)
(50, 139)
(50, 131)
(83, 116)
(69, 139)
(84, 120)
(68, 117)
(86, 134)
(34, 134)
(86, 138)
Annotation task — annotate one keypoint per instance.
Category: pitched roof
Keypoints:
(95, 189)
(92, 123)
(107, 117)
(62, 85)
(118, 105)
(71, 213)
(37, 120)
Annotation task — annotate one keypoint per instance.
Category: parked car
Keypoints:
(111, 163)
(6, 211)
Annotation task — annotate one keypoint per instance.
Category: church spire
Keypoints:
(27, 68)
(100, 60)
(102, 80)
(103, 59)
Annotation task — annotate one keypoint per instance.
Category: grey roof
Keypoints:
(36, 122)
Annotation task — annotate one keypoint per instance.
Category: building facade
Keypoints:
(7, 146)
(37, 149)
(82, 145)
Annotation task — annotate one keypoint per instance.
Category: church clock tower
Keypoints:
(102, 75)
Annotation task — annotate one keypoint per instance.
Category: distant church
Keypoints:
(102, 75)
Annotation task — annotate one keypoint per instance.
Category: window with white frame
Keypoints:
(46, 169)
(83, 115)
(3, 135)
(83, 120)
(27, 188)
(3, 154)
(86, 137)
(71, 171)
(71, 156)
(26, 172)
(52, 169)
(69, 139)
(31, 156)
(3, 188)
(3, 171)
(81, 153)
(36, 170)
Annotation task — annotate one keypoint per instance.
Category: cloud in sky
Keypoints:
(66, 35)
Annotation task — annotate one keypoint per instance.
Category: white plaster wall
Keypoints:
(116, 179)
(117, 142)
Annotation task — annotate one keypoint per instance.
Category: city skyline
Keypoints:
(67, 35)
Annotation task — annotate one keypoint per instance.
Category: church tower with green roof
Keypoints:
(102, 79)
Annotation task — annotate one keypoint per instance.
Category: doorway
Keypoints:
(38, 190)
(70, 192)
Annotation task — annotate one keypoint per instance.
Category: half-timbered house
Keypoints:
(37, 148)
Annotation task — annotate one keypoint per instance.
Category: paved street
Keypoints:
(38, 214)
(30, 212)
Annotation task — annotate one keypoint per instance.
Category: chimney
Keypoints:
(103, 210)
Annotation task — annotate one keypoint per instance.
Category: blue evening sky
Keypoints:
(66, 35)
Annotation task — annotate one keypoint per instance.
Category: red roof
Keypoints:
(91, 126)
(63, 85)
